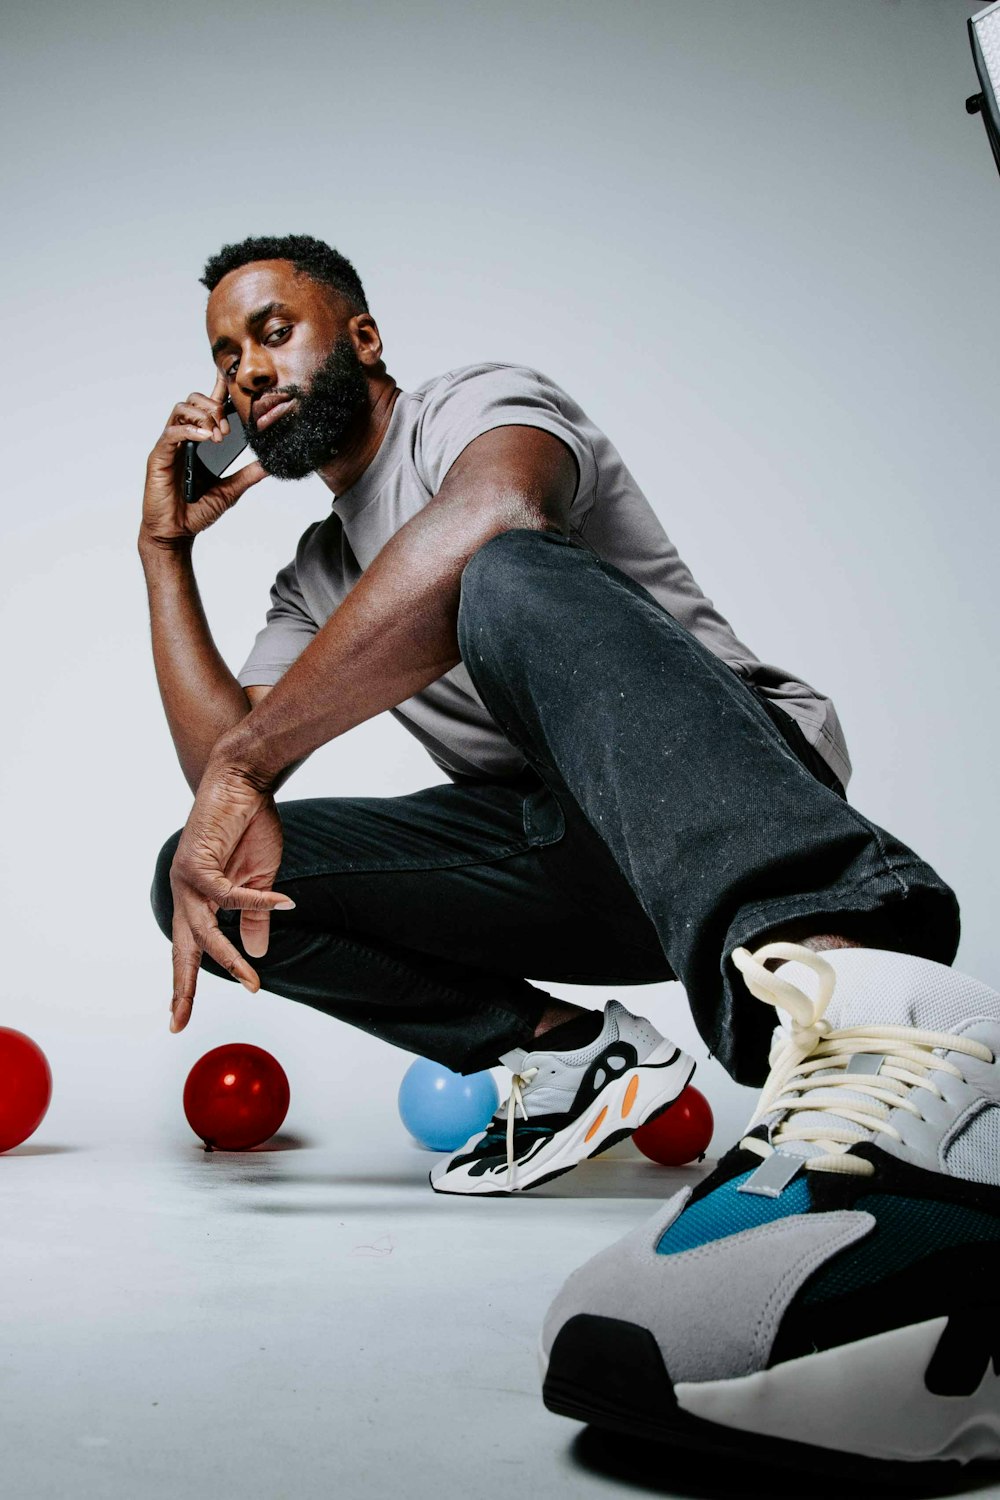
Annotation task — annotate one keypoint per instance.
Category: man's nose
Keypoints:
(256, 372)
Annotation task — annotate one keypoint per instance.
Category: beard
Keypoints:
(303, 440)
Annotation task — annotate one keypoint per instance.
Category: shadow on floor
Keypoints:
(272, 1147)
(657, 1469)
(596, 1192)
(592, 1180)
(285, 1142)
(621, 1179)
(42, 1150)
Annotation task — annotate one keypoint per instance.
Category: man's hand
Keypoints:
(166, 516)
(227, 858)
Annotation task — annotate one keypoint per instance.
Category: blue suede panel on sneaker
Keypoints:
(906, 1230)
(728, 1211)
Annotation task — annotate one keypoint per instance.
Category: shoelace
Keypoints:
(518, 1082)
(814, 1048)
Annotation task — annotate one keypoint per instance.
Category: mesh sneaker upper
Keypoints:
(875, 991)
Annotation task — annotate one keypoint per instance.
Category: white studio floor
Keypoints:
(299, 1321)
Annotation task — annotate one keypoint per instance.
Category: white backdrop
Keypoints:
(753, 240)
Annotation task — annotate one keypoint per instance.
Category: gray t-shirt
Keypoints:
(428, 429)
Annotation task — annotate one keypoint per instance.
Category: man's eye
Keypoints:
(278, 333)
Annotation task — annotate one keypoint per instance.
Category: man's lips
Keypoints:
(269, 408)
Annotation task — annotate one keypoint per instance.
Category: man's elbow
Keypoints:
(529, 513)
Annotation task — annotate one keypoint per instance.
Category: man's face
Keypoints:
(283, 343)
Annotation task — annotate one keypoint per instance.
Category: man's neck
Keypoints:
(347, 467)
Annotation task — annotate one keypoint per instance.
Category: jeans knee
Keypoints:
(496, 581)
(160, 895)
(500, 561)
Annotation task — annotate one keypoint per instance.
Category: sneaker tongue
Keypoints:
(879, 988)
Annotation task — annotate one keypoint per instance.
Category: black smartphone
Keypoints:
(206, 462)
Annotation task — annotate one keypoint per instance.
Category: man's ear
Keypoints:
(366, 338)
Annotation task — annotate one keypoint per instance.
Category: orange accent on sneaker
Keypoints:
(597, 1124)
(630, 1094)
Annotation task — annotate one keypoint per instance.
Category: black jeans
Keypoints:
(670, 815)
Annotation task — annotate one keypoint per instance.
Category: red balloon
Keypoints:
(681, 1134)
(25, 1087)
(236, 1097)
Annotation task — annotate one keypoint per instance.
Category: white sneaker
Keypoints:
(572, 1105)
(828, 1296)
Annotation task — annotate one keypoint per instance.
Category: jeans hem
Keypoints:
(877, 892)
(920, 917)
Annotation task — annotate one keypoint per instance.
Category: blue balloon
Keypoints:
(442, 1109)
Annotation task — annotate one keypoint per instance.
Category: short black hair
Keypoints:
(310, 256)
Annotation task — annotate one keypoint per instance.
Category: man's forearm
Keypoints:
(394, 634)
(201, 697)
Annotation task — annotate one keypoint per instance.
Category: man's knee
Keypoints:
(160, 895)
(499, 579)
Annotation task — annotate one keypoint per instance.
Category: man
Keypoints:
(633, 796)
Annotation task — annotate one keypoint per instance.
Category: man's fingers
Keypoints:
(220, 391)
(255, 932)
(237, 484)
(213, 408)
(229, 958)
(192, 414)
(186, 960)
(184, 430)
(180, 1014)
(246, 898)
(222, 497)
(189, 945)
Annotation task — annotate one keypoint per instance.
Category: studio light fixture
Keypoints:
(984, 34)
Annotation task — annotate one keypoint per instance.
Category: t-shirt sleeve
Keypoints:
(472, 401)
(287, 630)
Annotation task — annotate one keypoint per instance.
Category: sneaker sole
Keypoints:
(867, 1401)
(641, 1094)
